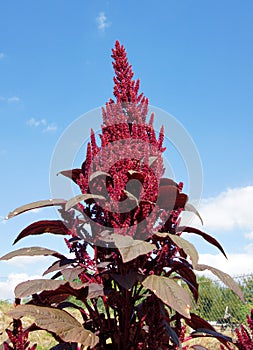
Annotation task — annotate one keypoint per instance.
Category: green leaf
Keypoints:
(81, 197)
(35, 205)
(57, 321)
(130, 248)
(224, 277)
(187, 247)
(31, 251)
(170, 292)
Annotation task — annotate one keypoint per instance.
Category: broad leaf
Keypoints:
(207, 237)
(187, 247)
(56, 227)
(224, 277)
(70, 274)
(36, 205)
(73, 174)
(27, 288)
(190, 207)
(164, 181)
(81, 197)
(170, 198)
(59, 265)
(170, 292)
(130, 248)
(57, 321)
(126, 281)
(31, 251)
(95, 290)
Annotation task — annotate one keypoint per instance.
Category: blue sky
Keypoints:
(194, 59)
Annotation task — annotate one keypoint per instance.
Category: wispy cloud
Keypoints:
(2, 55)
(13, 99)
(42, 124)
(102, 22)
(50, 128)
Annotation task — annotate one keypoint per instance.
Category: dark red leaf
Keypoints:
(56, 227)
(73, 174)
(167, 182)
(59, 265)
(182, 198)
(36, 205)
(207, 237)
(201, 332)
(196, 322)
(170, 198)
(167, 196)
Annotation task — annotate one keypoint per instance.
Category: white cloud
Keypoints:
(7, 287)
(102, 22)
(42, 123)
(2, 55)
(229, 210)
(50, 127)
(235, 265)
(13, 99)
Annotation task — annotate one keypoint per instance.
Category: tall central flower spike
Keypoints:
(121, 179)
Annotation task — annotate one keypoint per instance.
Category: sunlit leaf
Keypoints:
(224, 277)
(56, 227)
(190, 207)
(95, 290)
(73, 174)
(206, 236)
(151, 160)
(31, 251)
(130, 248)
(59, 265)
(70, 274)
(170, 292)
(164, 181)
(187, 247)
(97, 174)
(81, 197)
(27, 288)
(36, 205)
(57, 321)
